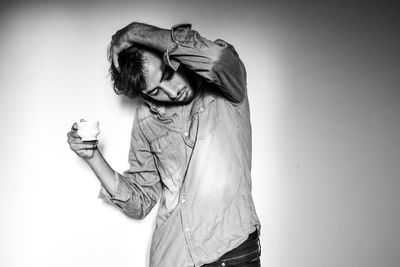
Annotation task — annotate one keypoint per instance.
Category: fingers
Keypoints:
(115, 59)
(82, 149)
(83, 146)
(73, 134)
(75, 125)
(73, 137)
(122, 39)
(117, 47)
(115, 43)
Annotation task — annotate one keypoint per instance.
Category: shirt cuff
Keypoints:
(172, 63)
(122, 193)
(178, 33)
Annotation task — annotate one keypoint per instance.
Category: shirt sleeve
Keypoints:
(217, 61)
(137, 190)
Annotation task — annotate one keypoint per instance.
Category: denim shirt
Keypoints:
(194, 158)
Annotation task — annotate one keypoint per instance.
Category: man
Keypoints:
(190, 146)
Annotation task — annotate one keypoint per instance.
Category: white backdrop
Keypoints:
(324, 94)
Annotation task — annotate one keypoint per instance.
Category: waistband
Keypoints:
(248, 251)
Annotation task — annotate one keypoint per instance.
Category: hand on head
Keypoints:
(119, 42)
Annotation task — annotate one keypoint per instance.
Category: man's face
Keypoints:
(165, 85)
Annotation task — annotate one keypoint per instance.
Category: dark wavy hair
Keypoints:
(130, 79)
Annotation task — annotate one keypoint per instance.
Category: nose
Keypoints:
(171, 90)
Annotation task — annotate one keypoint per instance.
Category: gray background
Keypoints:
(323, 81)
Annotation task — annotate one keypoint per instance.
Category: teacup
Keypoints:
(88, 130)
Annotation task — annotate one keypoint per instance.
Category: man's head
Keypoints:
(142, 72)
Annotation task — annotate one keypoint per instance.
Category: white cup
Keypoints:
(88, 130)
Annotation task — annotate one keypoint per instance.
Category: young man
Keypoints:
(190, 146)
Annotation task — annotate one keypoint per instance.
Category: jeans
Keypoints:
(245, 255)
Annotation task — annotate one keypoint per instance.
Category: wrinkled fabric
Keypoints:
(195, 159)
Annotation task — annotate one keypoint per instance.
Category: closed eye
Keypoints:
(153, 92)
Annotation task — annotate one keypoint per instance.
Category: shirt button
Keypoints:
(201, 109)
(186, 134)
(187, 229)
(183, 201)
(223, 264)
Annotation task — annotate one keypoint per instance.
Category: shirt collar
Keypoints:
(154, 106)
(198, 104)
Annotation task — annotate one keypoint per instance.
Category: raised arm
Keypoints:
(216, 61)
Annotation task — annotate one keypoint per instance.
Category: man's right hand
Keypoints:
(84, 150)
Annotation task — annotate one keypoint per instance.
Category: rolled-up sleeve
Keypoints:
(137, 190)
(217, 61)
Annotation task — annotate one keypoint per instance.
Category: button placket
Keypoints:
(185, 224)
(187, 134)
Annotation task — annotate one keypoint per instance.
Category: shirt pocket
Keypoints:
(208, 120)
(165, 156)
